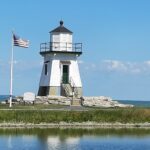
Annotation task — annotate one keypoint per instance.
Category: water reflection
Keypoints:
(72, 139)
(53, 142)
(9, 142)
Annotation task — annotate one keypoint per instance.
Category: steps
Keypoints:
(67, 90)
(76, 102)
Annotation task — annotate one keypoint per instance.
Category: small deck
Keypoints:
(61, 47)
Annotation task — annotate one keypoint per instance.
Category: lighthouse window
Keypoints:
(46, 69)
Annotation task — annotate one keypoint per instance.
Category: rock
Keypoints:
(46, 103)
(99, 101)
(3, 102)
(102, 101)
(61, 100)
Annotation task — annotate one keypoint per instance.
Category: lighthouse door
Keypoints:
(65, 76)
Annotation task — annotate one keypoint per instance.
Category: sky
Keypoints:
(115, 36)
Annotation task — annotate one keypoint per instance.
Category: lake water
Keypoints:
(136, 103)
(74, 139)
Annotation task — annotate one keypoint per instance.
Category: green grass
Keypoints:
(32, 107)
(129, 115)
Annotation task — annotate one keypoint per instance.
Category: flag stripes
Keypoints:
(17, 41)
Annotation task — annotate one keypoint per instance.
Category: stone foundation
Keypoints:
(48, 90)
(57, 91)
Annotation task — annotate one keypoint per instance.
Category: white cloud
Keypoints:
(16, 62)
(120, 66)
(147, 62)
(21, 65)
(27, 65)
(1, 63)
(41, 63)
(115, 65)
(80, 61)
(126, 67)
(93, 66)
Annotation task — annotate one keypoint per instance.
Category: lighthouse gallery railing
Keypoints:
(60, 46)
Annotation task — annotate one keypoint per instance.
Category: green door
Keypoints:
(65, 74)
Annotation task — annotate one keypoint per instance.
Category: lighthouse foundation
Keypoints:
(60, 91)
(48, 90)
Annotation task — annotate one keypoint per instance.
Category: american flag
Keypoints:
(17, 41)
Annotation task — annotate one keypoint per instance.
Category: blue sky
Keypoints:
(115, 36)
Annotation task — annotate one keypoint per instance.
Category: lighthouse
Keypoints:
(60, 74)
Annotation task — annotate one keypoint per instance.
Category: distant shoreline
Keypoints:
(75, 125)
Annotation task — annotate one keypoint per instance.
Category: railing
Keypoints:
(68, 89)
(74, 88)
(60, 46)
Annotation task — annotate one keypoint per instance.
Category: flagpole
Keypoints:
(11, 73)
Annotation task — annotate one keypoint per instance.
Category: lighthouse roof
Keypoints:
(61, 29)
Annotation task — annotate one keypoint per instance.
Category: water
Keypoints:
(75, 139)
(136, 103)
(4, 97)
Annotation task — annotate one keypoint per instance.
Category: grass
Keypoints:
(128, 115)
(32, 107)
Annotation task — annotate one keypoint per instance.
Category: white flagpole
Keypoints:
(11, 73)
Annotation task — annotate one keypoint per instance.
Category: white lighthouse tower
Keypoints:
(60, 73)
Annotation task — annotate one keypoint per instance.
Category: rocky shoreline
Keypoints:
(75, 125)
(103, 101)
(99, 101)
